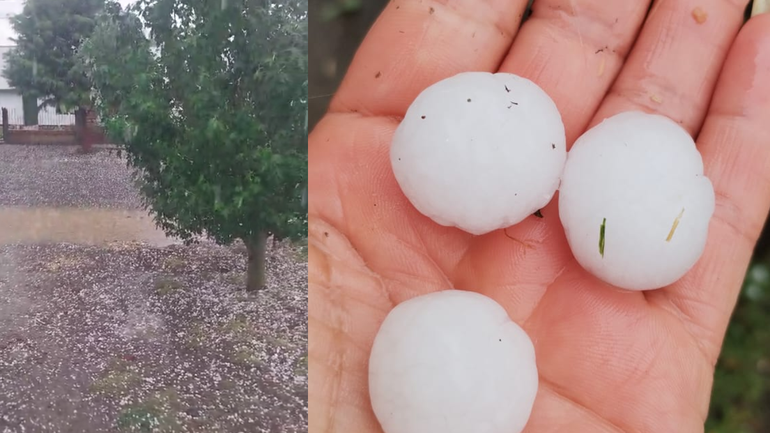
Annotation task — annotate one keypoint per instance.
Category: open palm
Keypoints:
(609, 360)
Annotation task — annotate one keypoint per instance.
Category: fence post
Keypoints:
(5, 124)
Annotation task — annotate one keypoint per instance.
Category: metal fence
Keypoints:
(46, 117)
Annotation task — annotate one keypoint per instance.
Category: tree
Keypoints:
(212, 112)
(30, 108)
(42, 64)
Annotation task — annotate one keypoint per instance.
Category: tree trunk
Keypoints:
(30, 108)
(81, 130)
(255, 271)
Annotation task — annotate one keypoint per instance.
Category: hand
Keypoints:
(609, 360)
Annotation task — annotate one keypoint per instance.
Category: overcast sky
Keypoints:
(13, 7)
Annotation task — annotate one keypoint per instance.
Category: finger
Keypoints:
(674, 64)
(574, 49)
(735, 143)
(414, 44)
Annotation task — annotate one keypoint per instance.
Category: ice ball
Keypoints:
(480, 151)
(452, 362)
(634, 202)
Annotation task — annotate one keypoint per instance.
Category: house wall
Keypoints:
(11, 99)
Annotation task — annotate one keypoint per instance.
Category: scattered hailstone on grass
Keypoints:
(480, 151)
(634, 201)
(452, 362)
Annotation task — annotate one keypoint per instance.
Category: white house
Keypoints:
(9, 97)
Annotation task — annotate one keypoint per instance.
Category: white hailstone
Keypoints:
(480, 151)
(634, 202)
(452, 362)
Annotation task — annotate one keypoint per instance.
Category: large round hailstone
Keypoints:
(634, 201)
(480, 151)
(452, 362)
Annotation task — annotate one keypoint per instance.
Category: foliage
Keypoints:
(338, 8)
(117, 37)
(212, 110)
(42, 64)
(740, 401)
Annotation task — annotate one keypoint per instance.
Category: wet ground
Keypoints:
(55, 194)
(92, 226)
(106, 325)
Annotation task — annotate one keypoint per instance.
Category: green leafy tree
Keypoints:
(212, 111)
(741, 391)
(42, 64)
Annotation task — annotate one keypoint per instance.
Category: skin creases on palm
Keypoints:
(608, 360)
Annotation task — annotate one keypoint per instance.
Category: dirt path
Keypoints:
(85, 226)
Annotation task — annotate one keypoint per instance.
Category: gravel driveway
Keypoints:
(60, 176)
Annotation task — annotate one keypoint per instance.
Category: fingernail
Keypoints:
(760, 7)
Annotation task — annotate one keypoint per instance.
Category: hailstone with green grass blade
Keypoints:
(452, 362)
(634, 201)
(480, 151)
